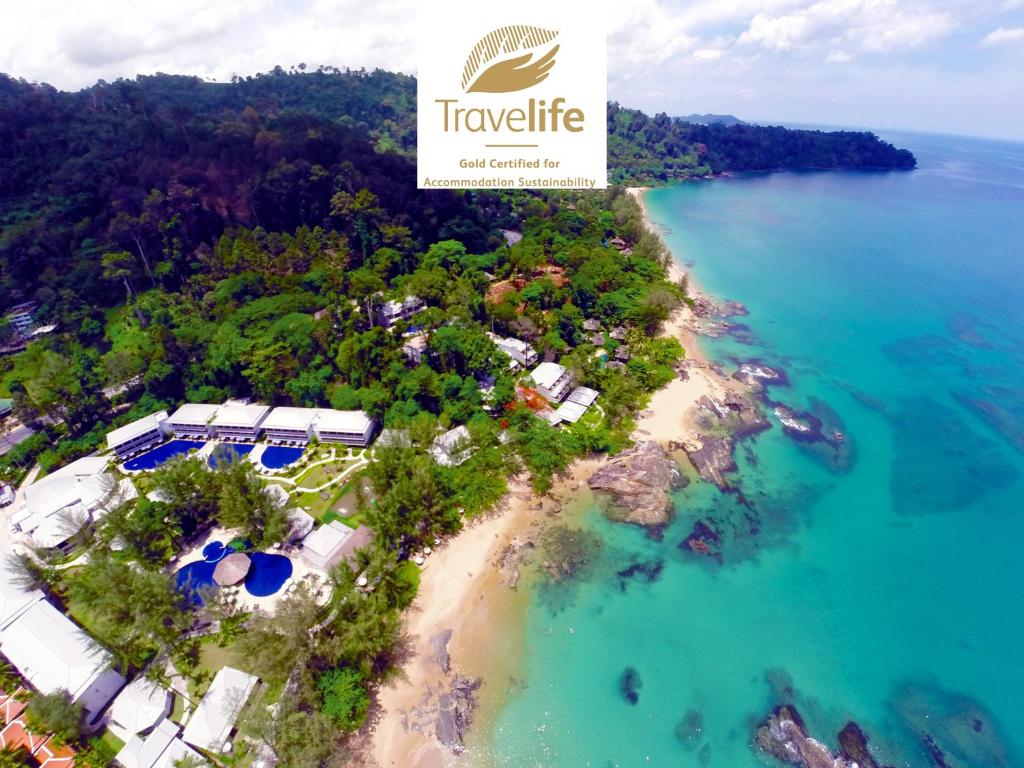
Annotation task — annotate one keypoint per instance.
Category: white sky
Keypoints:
(954, 66)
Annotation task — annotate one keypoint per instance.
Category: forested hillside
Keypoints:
(161, 166)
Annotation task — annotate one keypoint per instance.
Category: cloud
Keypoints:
(838, 57)
(708, 54)
(1003, 35)
(874, 26)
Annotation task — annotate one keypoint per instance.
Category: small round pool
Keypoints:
(268, 574)
(228, 453)
(160, 454)
(280, 456)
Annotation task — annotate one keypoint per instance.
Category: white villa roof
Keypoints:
(140, 705)
(213, 719)
(325, 542)
(443, 446)
(13, 599)
(52, 652)
(160, 749)
(130, 431)
(286, 417)
(584, 396)
(546, 374)
(343, 421)
(57, 503)
(517, 344)
(195, 413)
(234, 414)
(571, 412)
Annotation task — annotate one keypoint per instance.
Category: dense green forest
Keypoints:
(160, 166)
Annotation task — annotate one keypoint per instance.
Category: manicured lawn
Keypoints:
(177, 707)
(315, 503)
(317, 476)
(111, 740)
(211, 658)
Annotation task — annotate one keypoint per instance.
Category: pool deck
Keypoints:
(300, 572)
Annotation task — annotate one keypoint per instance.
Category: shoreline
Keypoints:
(463, 587)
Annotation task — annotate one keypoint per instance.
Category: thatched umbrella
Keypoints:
(231, 569)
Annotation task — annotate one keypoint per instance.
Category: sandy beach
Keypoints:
(463, 588)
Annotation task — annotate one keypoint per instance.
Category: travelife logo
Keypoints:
(512, 96)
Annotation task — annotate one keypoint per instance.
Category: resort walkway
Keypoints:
(359, 460)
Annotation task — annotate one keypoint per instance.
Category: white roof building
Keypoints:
(14, 600)
(140, 705)
(325, 424)
(53, 653)
(518, 350)
(329, 544)
(57, 506)
(287, 423)
(193, 419)
(452, 448)
(211, 724)
(239, 419)
(160, 749)
(584, 396)
(569, 411)
(552, 380)
(349, 427)
(139, 435)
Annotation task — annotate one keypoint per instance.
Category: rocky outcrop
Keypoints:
(630, 685)
(784, 736)
(455, 712)
(638, 481)
(735, 414)
(712, 458)
(439, 643)
(704, 306)
(756, 375)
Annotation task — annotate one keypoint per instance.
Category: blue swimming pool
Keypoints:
(160, 454)
(194, 578)
(227, 453)
(279, 456)
(268, 574)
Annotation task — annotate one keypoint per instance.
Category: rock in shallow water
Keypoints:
(712, 458)
(784, 736)
(630, 685)
(455, 712)
(638, 481)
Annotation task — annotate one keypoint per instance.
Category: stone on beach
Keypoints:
(712, 457)
(638, 481)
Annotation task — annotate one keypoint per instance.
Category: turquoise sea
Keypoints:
(886, 587)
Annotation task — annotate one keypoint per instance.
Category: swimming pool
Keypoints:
(228, 453)
(266, 576)
(160, 454)
(280, 456)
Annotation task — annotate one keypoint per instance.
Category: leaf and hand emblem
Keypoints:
(483, 74)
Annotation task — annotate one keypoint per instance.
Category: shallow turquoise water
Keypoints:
(888, 592)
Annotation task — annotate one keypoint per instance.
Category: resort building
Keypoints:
(300, 425)
(416, 348)
(394, 438)
(329, 544)
(518, 350)
(575, 405)
(63, 502)
(239, 420)
(290, 425)
(138, 436)
(192, 420)
(391, 312)
(140, 706)
(211, 724)
(552, 380)
(348, 427)
(591, 325)
(162, 748)
(452, 448)
(53, 653)
(14, 600)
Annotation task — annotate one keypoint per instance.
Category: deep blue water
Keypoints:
(160, 454)
(881, 583)
(268, 574)
(229, 453)
(280, 456)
